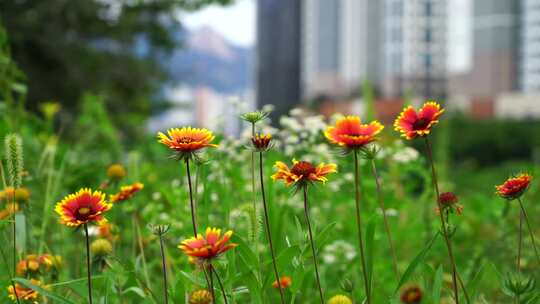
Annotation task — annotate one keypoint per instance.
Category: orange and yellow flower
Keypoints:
(412, 124)
(24, 293)
(514, 187)
(82, 207)
(187, 139)
(209, 246)
(126, 192)
(302, 172)
(284, 281)
(34, 264)
(350, 133)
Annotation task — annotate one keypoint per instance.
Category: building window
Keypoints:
(428, 7)
(427, 37)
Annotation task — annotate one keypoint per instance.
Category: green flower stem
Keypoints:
(367, 288)
(268, 230)
(192, 204)
(526, 217)
(385, 219)
(212, 269)
(443, 223)
(88, 265)
(306, 212)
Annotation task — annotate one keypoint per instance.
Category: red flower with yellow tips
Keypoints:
(209, 246)
(411, 123)
(514, 187)
(24, 293)
(261, 142)
(349, 132)
(126, 192)
(82, 207)
(302, 172)
(187, 139)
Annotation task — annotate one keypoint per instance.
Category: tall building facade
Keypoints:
(278, 54)
(415, 47)
(341, 43)
(530, 69)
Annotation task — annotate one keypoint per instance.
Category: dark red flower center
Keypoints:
(303, 168)
(83, 212)
(184, 140)
(421, 124)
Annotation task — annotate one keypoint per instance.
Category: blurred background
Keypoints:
(162, 63)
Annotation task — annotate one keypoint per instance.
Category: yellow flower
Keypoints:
(201, 296)
(339, 299)
(116, 172)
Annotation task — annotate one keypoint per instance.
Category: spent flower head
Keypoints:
(411, 295)
(116, 172)
(255, 116)
(201, 296)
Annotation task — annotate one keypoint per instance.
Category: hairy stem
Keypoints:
(164, 266)
(443, 223)
(531, 233)
(88, 266)
(268, 230)
(192, 204)
(306, 212)
(367, 288)
(386, 225)
(212, 269)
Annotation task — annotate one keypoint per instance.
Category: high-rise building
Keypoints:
(496, 51)
(341, 41)
(530, 69)
(278, 54)
(415, 47)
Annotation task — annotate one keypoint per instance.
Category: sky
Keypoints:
(236, 22)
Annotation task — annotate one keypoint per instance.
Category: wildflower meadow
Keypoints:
(308, 209)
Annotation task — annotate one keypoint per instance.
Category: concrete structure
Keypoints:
(530, 69)
(341, 42)
(278, 54)
(415, 47)
(496, 49)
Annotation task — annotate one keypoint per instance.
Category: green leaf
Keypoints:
(42, 291)
(437, 285)
(415, 262)
(370, 248)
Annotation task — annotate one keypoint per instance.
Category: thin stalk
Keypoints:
(192, 204)
(526, 217)
(141, 248)
(443, 224)
(306, 212)
(359, 227)
(164, 265)
(268, 230)
(88, 269)
(520, 243)
(211, 283)
(6, 263)
(255, 227)
(212, 269)
(386, 225)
